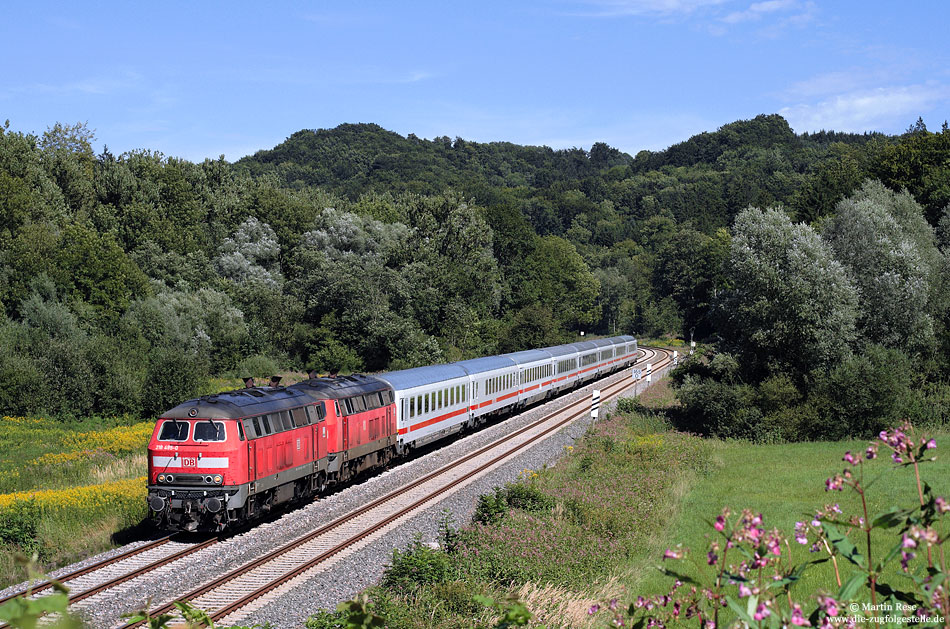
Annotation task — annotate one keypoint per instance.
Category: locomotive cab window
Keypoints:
(174, 431)
(209, 431)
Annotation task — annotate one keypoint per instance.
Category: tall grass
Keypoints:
(66, 489)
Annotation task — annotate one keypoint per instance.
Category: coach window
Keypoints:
(439, 399)
(174, 431)
(426, 400)
(412, 407)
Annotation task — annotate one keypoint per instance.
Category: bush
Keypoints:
(863, 395)
(172, 377)
(416, 566)
(18, 525)
(527, 498)
(22, 386)
(259, 366)
(491, 508)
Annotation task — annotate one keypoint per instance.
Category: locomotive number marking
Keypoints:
(189, 461)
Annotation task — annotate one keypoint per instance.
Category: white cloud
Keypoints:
(759, 9)
(621, 8)
(882, 108)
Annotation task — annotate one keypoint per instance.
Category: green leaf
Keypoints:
(740, 611)
(907, 597)
(844, 545)
(851, 586)
(891, 518)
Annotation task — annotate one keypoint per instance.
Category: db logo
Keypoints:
(189, 461)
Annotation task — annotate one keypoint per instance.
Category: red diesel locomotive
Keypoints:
(229, 457)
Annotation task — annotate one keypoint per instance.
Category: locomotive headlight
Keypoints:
(218, 479)
(161, 478)
(169, 478)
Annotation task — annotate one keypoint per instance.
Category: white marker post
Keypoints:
(637, 374)
(649, 373)
(692, 347)
(594, 404)
(676, 358)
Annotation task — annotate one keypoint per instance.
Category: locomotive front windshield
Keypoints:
(209, 431)
(174, 431)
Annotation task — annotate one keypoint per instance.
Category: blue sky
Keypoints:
(202, 79)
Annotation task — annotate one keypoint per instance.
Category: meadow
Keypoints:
(576, 544)
(67, 488)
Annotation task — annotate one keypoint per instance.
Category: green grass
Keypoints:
(786, 483)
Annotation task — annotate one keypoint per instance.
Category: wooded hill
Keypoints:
(128, 280)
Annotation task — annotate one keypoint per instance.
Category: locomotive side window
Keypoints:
(265, 422)
(174, 431)
(258, 431)
(315, 414)
(286, 422)
(209, 431)
(300, 417)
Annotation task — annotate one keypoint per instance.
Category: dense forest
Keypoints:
(813, 262)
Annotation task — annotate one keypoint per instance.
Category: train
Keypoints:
(223, 460)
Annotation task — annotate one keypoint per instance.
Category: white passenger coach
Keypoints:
(435, 401)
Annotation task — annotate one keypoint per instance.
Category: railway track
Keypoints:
(240, 591)
(232, 596)
(114, 571)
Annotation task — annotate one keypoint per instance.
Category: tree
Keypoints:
(689, 269)
(791, 306)
(889, 250)
(556, 276)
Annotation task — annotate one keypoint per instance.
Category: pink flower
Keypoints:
(800, 536)
(931, 444)
(720, 523)
(850, 458)
(673, 554)
(908, 542)
(942, 505)
(593, 610)
(744, 590)
(829, 604)
(712, 558)
(798, 617)
(871, 452)
(905, 559)
(762, 611)
(834, 484)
